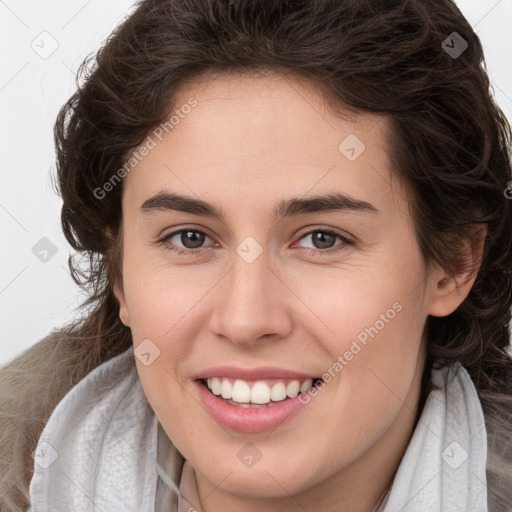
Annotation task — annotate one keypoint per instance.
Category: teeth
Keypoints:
(306, 385)
(292, 390)
(242, 392)
(226, 389)
(261, 393)
(278, 392)
(215, 385)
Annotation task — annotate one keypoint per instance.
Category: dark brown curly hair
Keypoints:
(449, 142)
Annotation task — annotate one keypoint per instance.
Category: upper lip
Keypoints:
(261, 373)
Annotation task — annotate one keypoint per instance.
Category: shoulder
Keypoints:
(102, 436)
(28, 392)
(31, 386)
(497, 407)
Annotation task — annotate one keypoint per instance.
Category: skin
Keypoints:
(251, 142)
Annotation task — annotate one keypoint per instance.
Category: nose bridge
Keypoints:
(250, 304)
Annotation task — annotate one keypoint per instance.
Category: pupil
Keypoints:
(192, 239)
(319, 240)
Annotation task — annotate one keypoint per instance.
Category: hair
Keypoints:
(449, 143)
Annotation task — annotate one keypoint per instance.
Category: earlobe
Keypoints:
(449, 294)
(449, 291)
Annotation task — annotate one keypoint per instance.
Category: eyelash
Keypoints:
(313, 252)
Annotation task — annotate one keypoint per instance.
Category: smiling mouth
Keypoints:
(257, 394)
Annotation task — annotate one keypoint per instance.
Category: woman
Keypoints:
(298, 242)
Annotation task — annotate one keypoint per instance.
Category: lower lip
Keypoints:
(248, 419)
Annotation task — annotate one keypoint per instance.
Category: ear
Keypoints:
(449, 291)
(116, 247)
(123, 309)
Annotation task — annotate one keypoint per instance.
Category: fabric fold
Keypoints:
(444, 466)
(97, 451)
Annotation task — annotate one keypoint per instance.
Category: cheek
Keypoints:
(161, 298)
(363, 305)
(160, 316)
(372, 323)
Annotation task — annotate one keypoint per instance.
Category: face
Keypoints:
(275, 287)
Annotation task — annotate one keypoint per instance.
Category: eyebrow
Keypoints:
(286, 208)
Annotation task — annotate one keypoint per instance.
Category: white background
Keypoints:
(35, 296)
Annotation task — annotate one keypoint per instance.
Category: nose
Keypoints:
(252, 304)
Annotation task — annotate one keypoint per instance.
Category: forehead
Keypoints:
(260, 137)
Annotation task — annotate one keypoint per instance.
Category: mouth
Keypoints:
(257, 394)
(253, 406)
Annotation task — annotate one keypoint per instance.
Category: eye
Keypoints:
(324, 241)
(191, 240)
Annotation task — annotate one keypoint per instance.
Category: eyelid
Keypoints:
(327, 229)
(199, 229)
(346, 241)
(163, 239)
